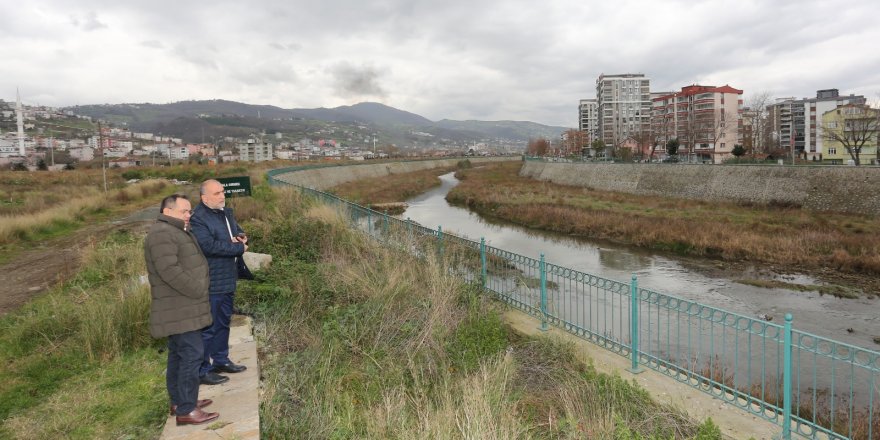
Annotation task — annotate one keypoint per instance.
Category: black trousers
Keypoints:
(185, 354)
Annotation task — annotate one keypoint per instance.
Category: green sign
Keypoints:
(236, 186)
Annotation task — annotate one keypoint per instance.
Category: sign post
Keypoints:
(239, 186)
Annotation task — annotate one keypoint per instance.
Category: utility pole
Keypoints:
(101, 146)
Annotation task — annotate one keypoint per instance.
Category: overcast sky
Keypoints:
(487, 60)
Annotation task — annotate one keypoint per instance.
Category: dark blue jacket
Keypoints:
(209, 227)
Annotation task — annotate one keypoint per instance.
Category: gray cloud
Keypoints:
(353, 81)
(89, 22)
(494, 59)
(153, 43)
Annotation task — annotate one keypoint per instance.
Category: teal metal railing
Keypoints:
(811, 386)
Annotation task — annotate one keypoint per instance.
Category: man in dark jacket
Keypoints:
(223, 242)
(178, 274)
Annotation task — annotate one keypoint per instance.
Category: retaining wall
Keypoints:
(330, 176)
(830, 188)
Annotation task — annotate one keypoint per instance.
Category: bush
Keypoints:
(477, 338)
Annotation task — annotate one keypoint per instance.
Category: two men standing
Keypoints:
(192, 262)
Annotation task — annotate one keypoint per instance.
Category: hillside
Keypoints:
(197, 121)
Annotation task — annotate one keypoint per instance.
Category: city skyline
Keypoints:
(458, 60)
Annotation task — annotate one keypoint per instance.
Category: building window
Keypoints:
(832, 150)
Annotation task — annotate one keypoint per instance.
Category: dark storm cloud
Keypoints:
(354, 81)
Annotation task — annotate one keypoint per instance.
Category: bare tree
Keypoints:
(758, 119)
(721, 125)
(574, 141)
(853, 127)
(538, 147)
(644, 140)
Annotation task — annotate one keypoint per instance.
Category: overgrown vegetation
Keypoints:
(786, 237)
(66, 216)
(79, 361)
(391, 188)
(361, 341)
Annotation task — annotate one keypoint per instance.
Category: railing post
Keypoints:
(440, 241)
(370, 222)
(483, 261)
(385, 223)
(543, 326)
(409, 228)
(634, 325)
(786, 377)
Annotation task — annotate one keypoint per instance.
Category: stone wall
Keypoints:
(330, 176)
(818, 188)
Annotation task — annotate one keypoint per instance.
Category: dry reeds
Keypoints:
(391, 188)
(16, 227)
(782, 236)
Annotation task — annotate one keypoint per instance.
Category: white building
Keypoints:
(114, 152)
(588, 118)
(177, 152)
(796, 123)
(254, 151)
(82, 153)
(624, 107)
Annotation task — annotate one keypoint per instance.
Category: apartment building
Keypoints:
(856, 126)
(706, 120)
(255, 151)
(796, 123)
(624, 108)
(588, 118)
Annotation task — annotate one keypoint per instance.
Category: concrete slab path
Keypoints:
(237, 401)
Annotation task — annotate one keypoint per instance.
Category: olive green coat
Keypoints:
(178, 273)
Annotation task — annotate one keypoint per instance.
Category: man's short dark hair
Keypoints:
(171, 201)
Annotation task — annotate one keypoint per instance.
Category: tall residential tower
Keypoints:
(588, 118)
(624, 108)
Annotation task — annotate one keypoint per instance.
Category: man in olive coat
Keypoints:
(178, 273)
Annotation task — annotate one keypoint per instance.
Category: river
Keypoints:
(693, 279)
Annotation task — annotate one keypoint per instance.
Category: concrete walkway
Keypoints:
(734, 423)
(237, 401)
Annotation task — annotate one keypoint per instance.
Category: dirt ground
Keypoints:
(34, 271)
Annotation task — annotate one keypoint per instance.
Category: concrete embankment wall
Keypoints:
(830, 188)
(327, 177)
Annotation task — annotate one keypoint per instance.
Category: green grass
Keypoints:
(83, 354)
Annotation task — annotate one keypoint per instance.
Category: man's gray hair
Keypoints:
(205, 185)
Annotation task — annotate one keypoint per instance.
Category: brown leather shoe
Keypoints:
(201, 403)
(196, 417)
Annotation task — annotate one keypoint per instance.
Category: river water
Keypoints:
(691, 279)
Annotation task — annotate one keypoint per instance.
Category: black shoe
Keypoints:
(212, 379)
(229, 368)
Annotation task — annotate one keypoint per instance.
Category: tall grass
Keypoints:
(391, 188)
(76, 210)
(83, 354)
(361, 341)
